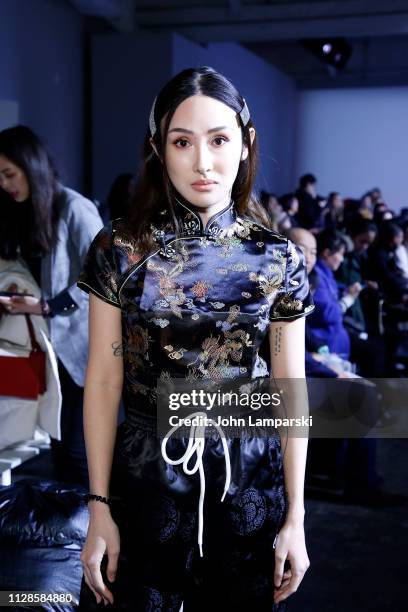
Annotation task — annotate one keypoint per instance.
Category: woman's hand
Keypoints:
(372, 285)
(354, 289)
(291, 546)
(21, 304)
(103, 536)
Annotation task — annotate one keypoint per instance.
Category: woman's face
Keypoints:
(337, 202)
(397, 240)
(203, 151)
(13, 180)
(333, 260)
(294, 206)
(307, 243)
(363, 241)
(273, 205)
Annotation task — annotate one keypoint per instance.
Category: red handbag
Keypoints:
(24, 376)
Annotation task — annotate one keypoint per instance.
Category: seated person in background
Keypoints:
(381, 214)
(376, 196)
(365, 207)
(357, 209)
(308, 215)
(401, 252)
(333, 214)
(315, 366)
(368, 351)
(290, 207)
(346, 467)
(326, 322)
(382, 264)
(354, 267)
(271, 205)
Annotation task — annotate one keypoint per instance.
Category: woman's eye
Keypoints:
(219, 140)
(182, 143)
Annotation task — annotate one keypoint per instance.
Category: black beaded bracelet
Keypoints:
(89, 496)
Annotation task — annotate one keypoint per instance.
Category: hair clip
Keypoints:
(244, 114)
(152, 123)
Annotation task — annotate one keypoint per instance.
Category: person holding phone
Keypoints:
(50, 227)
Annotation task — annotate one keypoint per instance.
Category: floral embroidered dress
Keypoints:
(198, 307)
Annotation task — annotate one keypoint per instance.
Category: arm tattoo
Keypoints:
(276, 341)
(117, 349)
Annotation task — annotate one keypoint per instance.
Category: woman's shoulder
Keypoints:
(255, 229)
(116, 235)
(71, 203)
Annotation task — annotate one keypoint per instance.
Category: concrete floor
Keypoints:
(358, 556)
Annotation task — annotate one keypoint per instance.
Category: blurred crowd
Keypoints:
(356, 252)
(357, 258)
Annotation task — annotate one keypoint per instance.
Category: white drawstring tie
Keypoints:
(196, 444)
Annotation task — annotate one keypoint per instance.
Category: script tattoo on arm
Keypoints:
(277, 341)
(117, 348)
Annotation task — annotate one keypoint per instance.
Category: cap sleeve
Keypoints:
(99, 273)
(295, 300)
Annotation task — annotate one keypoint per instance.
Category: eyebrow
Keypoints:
(215, 129)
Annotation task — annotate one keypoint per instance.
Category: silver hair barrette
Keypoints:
(152, 123)
(244, 114)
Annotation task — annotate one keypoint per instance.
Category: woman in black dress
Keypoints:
(187, 289)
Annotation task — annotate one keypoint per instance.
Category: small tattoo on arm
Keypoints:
(117, 349)
(277, 340)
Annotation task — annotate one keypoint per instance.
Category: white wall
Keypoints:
(354, 139)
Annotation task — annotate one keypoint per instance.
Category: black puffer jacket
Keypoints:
(43, 527)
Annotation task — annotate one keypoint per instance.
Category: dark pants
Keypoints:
(68, 454)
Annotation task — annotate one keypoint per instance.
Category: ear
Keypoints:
(245, 148)
(155, 148)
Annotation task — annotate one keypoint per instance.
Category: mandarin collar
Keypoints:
(192, 224)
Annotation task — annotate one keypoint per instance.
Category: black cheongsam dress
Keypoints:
(197, 306)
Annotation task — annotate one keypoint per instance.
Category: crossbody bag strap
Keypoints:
(34, 344)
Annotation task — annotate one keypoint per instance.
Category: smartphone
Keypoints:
(10, 293)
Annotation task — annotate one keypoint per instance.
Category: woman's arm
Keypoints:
(103, 389)
(287, 342)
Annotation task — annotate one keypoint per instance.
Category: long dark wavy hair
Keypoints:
(154, 189)
(24, 149)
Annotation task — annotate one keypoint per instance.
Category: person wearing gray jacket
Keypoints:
(51, 227)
